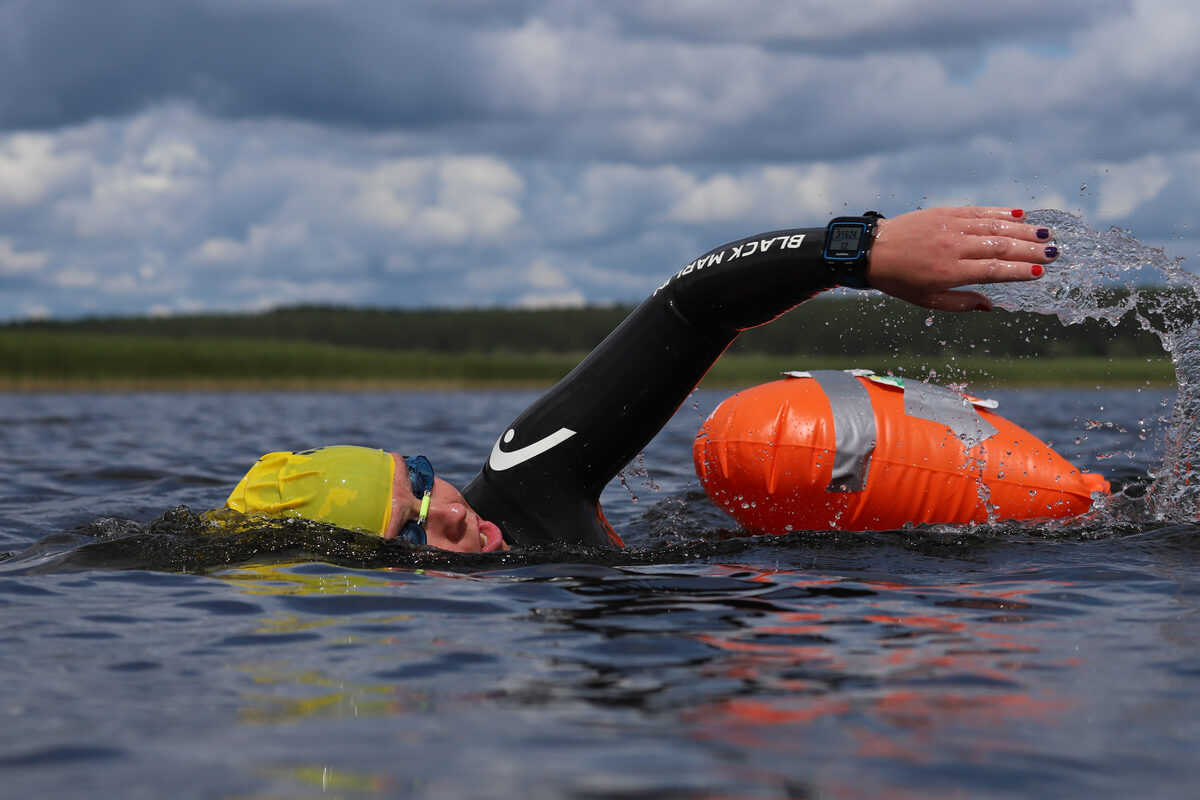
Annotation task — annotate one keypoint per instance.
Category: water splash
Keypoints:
(1105, 275)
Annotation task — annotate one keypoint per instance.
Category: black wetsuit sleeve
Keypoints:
(544, 476)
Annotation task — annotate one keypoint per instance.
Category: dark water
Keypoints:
(1042, 661)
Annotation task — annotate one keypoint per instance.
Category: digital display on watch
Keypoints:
(844, 240)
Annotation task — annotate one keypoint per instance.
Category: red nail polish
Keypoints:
(983, 307)
(1017, 213)
(1037, 270)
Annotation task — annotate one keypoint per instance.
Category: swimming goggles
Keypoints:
(420, 475)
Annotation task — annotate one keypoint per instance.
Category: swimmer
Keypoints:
(543, 478)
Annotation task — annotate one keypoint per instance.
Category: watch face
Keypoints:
(845, 238)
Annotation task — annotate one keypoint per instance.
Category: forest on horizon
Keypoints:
(861, 325)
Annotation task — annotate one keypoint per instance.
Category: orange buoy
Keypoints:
(855, 451)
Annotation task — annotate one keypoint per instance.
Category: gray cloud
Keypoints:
(369, 64)
(633, 80)
(248, 153)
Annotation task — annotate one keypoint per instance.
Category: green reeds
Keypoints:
(70, 360)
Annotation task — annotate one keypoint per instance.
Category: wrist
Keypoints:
(847, 251)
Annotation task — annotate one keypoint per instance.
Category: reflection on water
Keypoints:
(768, 681)
(924, 680)
(288, 693)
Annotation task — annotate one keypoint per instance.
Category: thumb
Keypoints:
(953, 301)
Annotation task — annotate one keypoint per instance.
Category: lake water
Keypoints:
(142, 660)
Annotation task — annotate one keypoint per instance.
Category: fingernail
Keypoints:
(1017, 213)
(983, 307)
(1037, 270)
(1051, 252)
(1043, 233)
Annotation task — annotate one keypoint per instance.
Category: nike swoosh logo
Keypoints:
(501, 460)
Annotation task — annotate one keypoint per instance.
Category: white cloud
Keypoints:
(32, 167)
(257, 294)
(440, 200)
(220, 251)
(76, 278)
(544, 282)
(719, 198)
(146, 189)
(1168, 27)
(538, 300)
(540, 60)
(1125, 187)
(14, 262)
(35, 311)
(173, 157)
(286, 247)
(483, 192)
(542, 274)
(603, 199)
(778, 196)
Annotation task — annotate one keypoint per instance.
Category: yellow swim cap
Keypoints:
(350, 487)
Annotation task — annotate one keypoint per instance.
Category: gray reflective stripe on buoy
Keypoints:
(853, 429)
(947, 407)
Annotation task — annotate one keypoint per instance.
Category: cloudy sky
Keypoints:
(188, 155)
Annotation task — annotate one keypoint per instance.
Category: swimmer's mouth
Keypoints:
(490, 538)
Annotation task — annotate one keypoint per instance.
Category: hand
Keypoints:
(923, 255)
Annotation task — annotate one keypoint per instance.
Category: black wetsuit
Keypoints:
(543, 480)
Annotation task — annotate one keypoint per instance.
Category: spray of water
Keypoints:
(1106, 275)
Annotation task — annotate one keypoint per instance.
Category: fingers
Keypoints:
(923, 256)
(1005, 249)
(996, 247)
(1013, 230)
(999, 221)
(992, 270)
(988, 212)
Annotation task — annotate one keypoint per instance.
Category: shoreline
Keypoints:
(73, 362)
(1064, 379)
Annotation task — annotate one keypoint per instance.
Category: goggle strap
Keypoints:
(424, 509)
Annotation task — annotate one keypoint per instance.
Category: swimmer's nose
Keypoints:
(450, 519)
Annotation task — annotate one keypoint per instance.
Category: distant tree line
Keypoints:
(859, 325)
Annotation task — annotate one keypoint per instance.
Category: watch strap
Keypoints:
(853, 273)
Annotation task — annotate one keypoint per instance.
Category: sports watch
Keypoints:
(848, 242)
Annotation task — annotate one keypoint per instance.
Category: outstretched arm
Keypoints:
(546, 472)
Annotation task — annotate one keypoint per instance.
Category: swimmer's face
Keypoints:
(451, 523)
